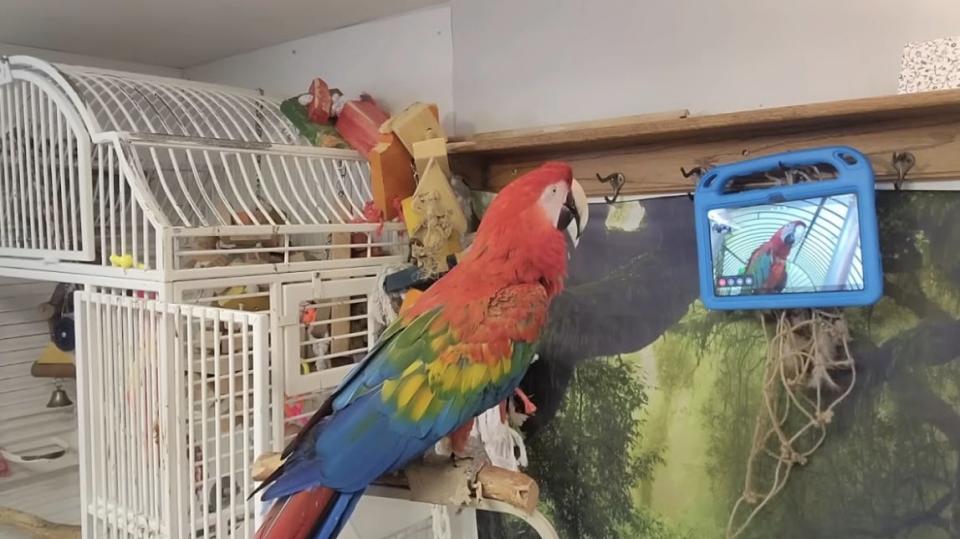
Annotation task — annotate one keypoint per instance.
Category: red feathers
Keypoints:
(768, 262)
(522, 194)
(296, 517)
(515, 244)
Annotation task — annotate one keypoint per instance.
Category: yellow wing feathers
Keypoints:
(428, 386)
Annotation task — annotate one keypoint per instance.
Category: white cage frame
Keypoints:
(179, 178)
(196, 197)
(161, 197)
(169, 417)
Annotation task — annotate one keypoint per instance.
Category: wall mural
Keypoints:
(647, 401)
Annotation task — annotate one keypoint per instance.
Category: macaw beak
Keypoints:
(574, 213)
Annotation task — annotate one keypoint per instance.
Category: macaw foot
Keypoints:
(477, 491)
(459, 439)
(529, 408)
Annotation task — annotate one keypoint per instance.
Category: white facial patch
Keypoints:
(551, 201)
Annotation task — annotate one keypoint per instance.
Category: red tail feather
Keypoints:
(298, 516)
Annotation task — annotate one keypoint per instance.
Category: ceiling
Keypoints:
(180, 33)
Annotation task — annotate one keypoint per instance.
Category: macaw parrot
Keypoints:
(768, 263)
(461, 349)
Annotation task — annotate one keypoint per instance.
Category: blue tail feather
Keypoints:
(339, 515)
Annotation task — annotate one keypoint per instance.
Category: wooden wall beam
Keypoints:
(650, 153)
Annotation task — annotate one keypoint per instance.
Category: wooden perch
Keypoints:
(37, 527)
(53, 370)
(515, 488)
(443, 483)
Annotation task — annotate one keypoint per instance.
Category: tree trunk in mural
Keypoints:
(626, 287)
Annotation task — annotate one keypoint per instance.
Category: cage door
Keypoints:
(46, 171)
(326, 332)
(173, 405)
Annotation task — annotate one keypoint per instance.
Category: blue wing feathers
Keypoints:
(339, 515)
(373, 370)
(365, 437)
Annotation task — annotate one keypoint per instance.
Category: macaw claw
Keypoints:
(529, 408)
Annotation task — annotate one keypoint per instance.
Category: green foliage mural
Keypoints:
(649, 400)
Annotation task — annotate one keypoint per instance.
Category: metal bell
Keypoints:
(59, 398)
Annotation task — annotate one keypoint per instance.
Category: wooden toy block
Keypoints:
(359, 124)
(417, 122)
(391, 177)
(411, 217)
(433, 180)
(434, 148)
(415, 222)
(340, 238)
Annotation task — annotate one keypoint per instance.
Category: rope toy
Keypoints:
(806, 354)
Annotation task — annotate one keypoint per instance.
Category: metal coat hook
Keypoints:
(902, 162)
(616, 181)
(697, 171)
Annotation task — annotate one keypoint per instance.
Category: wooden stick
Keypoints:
(446, 484)
(36, 526)
(515, 488)
(265, 465)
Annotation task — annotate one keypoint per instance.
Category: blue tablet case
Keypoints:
(828, 227)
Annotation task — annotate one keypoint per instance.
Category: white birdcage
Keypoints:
(227, 276)
(177, 206)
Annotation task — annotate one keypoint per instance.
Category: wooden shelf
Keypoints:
(650, 149)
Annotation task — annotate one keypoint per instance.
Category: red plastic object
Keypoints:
(318, 110)
(359, 124)
(309, 316)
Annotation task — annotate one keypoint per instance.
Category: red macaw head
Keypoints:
(789, 232)
(520, 239)
(540, 202)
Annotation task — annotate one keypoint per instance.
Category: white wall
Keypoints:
(536, 62)
(24, 417)
(7, 49)
(506, 63)
(397, 60)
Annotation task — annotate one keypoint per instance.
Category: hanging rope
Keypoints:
(807, 350)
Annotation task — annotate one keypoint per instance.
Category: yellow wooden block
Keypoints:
(410, 216)
(433, 180)
(414, 220)
(52, 355)
(417, 122)
(434, 148)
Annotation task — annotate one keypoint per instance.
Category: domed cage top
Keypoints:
(171, 178)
